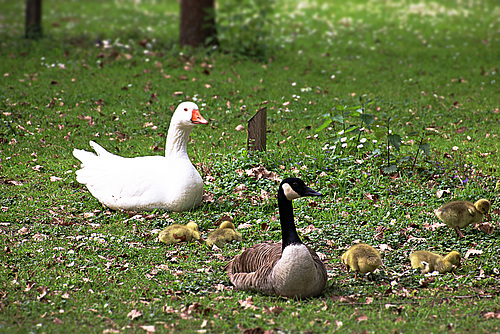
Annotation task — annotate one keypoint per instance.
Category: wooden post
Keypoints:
(257, 128)
(33, 27)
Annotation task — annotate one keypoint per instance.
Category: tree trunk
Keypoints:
(198, 23)
(33, 28)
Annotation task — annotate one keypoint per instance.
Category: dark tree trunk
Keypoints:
(33, 28)
(198, 23)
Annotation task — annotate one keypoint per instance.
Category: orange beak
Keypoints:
(196, 118)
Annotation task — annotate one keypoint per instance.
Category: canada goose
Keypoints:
(224, 234)
(167, 182)
(361, 258)
(288, 269)
(430, 262)
(462, 213)
(176, 233)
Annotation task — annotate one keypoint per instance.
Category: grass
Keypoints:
(110, 71)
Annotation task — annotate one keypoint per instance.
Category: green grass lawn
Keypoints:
(112, 71)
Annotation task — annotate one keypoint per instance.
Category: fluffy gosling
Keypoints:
(430, 262)
(174, 234)
(361, 258)
(226, 233)
(460, 214)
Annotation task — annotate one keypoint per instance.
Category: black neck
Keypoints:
(288, 231)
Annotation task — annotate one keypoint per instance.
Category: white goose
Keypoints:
(151, 182)
(288, 268)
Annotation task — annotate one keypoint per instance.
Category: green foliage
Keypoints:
(245, 27)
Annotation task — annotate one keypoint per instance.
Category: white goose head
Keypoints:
(188, 114)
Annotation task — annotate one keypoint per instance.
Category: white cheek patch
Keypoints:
(289, 192)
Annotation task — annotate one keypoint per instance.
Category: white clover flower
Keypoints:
(362, 140)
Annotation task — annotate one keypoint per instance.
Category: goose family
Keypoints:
(361, 258)
(459, 214)
(175, 233)
(288, 269)
(169, 182)
(226, 233)
(430, 262)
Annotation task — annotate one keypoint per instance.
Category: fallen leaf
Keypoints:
(433, 226)
(134, 314)
(472, 252)
(492, 315)
(43, 292)
(440, 193)
(149, 329)
(248, 303)
(362, 318)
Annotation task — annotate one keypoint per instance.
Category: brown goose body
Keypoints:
(261, 268)
(288, 268)
(460, 214)
(429, 262)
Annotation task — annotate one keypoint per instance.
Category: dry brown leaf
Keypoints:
(362, 318)
(149, 329)
(134, 314)
(248, 303)
(440, 193)
(433, 226)
(492, 315)
(472, 252)
(43, 292)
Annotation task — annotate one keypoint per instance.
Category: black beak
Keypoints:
(310, 192)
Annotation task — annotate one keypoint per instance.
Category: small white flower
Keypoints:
(359, 146)
(495, 270)
(343, 139)
(454, 148)
(344, 145)
(341, 132)
(393, 221)
(374, 141)
(394, 283)
(362, 140)
(294, 84)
